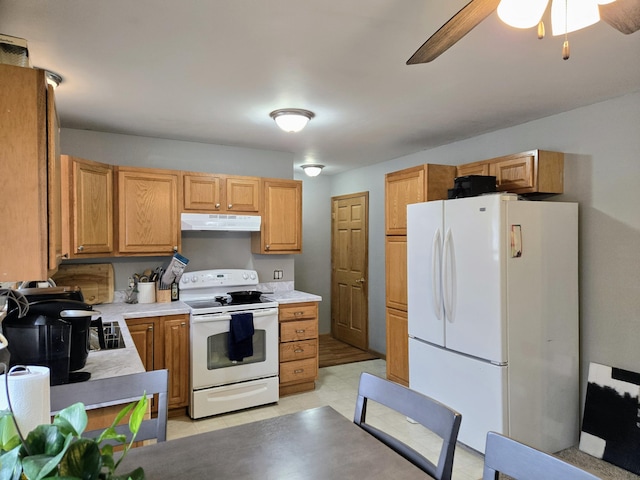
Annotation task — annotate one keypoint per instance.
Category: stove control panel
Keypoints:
(218, 278)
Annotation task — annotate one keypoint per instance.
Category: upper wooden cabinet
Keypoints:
(31, 234)
(214, 193)
(281, 228)
(535, 171)
(148, 220)
(90, 207)
(413, 185)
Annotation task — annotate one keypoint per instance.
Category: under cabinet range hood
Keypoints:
(220, 222)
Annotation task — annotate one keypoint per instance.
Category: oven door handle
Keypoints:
(219, 317)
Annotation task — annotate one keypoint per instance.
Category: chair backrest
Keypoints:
(522, 462)
(115, 391)
(430, 413)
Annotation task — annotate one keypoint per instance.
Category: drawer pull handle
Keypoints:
(298, 350)
(299, 331)
(299, 370)
(297, 314)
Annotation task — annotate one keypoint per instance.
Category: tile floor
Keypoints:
(337, 387)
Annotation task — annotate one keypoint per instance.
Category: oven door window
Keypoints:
(218, 350)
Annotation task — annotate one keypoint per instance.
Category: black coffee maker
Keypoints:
(53, 333)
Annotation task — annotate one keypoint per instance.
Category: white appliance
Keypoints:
(218, 384)
(220, 222)
(493, 315)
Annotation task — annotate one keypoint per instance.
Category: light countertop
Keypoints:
(125, 361)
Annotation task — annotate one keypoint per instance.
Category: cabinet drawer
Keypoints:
(301, 330)
(298, 311)
(298, 350)
(299, 370)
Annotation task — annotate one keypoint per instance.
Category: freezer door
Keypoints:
(424, 257)
(476, 389)
(473, 277)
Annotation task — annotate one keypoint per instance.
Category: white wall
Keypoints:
(602, 172)
(313, 266)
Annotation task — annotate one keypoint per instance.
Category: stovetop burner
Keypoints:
(210, 291)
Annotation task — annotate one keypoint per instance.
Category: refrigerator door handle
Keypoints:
(436, 274)
(448, 277)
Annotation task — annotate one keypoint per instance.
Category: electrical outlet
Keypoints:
(277, 275)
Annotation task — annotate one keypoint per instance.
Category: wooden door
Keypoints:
(92, 208)
(349, 262)
(148, 211)
(202, 192)
(142, 333)
(176, 359)
(281, 230)
(242, 194)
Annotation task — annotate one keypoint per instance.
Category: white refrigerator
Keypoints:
(493, 315)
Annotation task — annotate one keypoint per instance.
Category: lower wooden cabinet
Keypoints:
(298, 347)
(398, 346)
(163, 342)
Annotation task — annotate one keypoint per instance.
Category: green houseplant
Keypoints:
(59, 450)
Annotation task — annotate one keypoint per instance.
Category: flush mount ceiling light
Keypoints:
(312, 169)
(566, 16)
(292, 119)
(53, 78)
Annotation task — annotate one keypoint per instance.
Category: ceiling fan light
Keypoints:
(312, 169)
(291, 119)
(574, 14)
(519, 14)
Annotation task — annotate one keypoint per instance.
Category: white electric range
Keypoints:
(220, 384)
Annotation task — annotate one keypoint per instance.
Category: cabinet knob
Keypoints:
(230, 206)
(65, 255)
(217, 205)
(80, 248)
(183, 324)
(298, 350)
(299, 331)
(298, 370)
(150, 327)
(267, 247)
(175, 248)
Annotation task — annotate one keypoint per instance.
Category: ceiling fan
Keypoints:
(623, 15)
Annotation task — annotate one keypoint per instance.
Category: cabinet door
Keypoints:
(397, 346)
(91, 208)
(54, 187)
(142, 331)
(23, 175)
(281, 230)
(396, 272)
(514, 173)
(472, 169)
(242, 194)
(148, 211)
(176, 358)
(402, 188)
(202, 192)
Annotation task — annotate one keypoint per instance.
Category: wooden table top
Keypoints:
(313, 444)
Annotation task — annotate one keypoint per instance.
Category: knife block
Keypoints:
(163, 296)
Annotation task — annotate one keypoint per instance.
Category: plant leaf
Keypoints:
(10, 467)
(82, 460)
(8, 433)
(73, 417)
(45, 439)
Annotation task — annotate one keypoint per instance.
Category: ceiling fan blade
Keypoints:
(457, 27)
(623, 15)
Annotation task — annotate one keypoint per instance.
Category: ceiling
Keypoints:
(211, 71)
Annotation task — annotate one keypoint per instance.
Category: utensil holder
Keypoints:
(146, 292)
(163, 296)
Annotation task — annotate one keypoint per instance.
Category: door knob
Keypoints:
(360, 280)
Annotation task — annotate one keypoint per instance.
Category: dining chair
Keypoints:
(430, 413)
(115, 391)
(506, 456)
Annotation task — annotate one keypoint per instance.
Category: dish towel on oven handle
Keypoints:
(241, 336)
